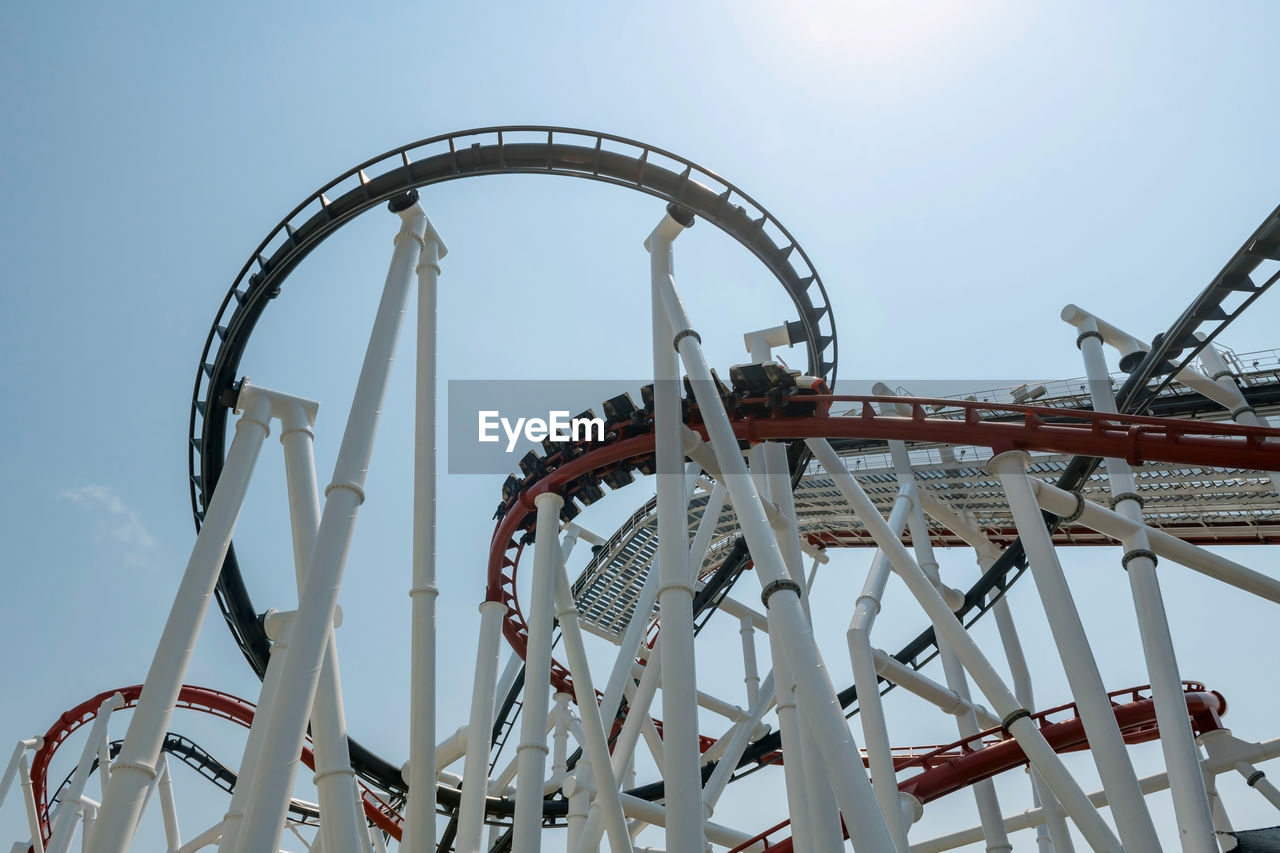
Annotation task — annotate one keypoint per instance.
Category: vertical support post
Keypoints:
(1018, 721)
(1181, 756)
(264, 823)
(420, 818)
(875, 730)
(984, 791)
(596, 745)
(341, 824)
(29, 800)
(824, 814)
(781, 597)
(134, 769)
(168, 807)
(64, 826)
(1108, 749)
(751, 670)
(229, 840)
(531, 753)
(475, 772)
(675, 578)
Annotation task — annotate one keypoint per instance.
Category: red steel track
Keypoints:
(203, 699)
(1084, 433)
(958, 765)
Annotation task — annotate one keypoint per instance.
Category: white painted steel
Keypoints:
(1190, 798)
(1109, 754)
(531, 753)
(984, 675)
(681, 771)
(420, 812)
(787, 624)
(475, 771)
(264, 822)
(134, 768)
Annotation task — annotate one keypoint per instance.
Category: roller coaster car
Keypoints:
(769, 389)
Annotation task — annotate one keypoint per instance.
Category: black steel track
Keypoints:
(538, 150)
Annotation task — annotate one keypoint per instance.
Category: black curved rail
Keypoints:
(484, 151)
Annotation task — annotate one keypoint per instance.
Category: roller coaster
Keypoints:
(754, 476)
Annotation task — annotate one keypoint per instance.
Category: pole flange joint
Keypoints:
(1226, 371)
(135, 765)
(687, 333)
(1085, 335)
(1138, 552)
(1013, 717)
(1127, 496)
(1235, 413)
(1077, 512)
(774, 586)
(351, 487)
(1254, 778)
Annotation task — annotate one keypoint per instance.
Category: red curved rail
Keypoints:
(1132, 437)
(203, 699)
(960, 764)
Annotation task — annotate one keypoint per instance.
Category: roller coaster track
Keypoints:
(626, 163)
(204, 700)
(951, 768)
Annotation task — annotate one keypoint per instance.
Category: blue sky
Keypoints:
(957, 172)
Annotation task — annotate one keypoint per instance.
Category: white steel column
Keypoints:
(787, 624)
(29, 800)
(341, 824)
(229, 839)
(823, 811)
(264, 822)
(681, 770)
(475, 772)
(875, 730)
(134, 769)
(596, 742)
(1017, 720)
(420, 816)
(168, 808)
(64, 825)
(1182, 758)
(531, 754)
(1241, 412)
(984, 791)
(1107, 745)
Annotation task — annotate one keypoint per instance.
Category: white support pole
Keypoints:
(64, 826)
(1107, 744)
(134, 769)
(577, 792)
(737, 744)
(751, 670)
(1017, 719)
(824, 813)
(90, 822)
(940, 696)
(168, 807)
(264, 823)
(475, 772)
(341, 823)
(1095, 517)
(787, 624)
(681, 770)
(11, 769)
(984, 791)
(229, 834)
(29, 800)
(596, 743)
(1222, 746)
(531, 754)
(875, 730)
(420, 815)
(1190, 798)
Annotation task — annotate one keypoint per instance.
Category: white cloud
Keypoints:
(119, 522)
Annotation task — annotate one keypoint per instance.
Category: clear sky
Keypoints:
(956, 171)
